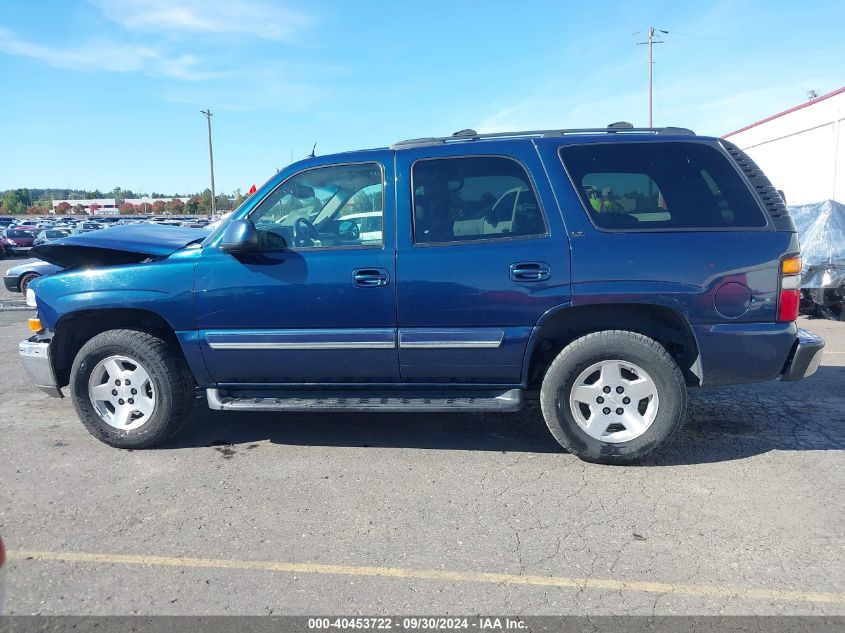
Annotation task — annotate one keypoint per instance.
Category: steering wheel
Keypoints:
(304, 232)
(354, 233)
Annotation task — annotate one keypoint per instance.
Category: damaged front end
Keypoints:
(130, 244)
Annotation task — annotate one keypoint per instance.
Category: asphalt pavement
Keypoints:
(744, 513)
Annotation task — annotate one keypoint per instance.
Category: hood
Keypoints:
(127, 244)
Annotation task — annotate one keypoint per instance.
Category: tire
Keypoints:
(169, 386)
(27, 279)
(644, 425)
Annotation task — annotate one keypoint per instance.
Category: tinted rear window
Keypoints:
(660, 186)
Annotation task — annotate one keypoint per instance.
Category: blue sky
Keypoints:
(105, 93)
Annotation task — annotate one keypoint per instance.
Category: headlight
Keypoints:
(30, 298)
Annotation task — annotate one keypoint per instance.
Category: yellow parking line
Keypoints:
(435, 574)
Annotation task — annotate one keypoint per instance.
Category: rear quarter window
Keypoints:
(660, 186)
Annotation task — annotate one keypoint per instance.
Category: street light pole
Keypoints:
(208, 115)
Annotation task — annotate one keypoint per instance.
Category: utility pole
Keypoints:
(651, 42)
(208, 115)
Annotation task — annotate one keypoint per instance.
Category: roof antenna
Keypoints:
(313, 150)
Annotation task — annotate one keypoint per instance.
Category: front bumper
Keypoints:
(34, 353)
(804, 361)
(12, 284)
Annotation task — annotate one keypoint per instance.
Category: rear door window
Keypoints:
(473, 198)
(662, 186)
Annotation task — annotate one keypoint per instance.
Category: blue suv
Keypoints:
(607, 269)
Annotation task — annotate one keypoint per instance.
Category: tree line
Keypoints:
(40, 201)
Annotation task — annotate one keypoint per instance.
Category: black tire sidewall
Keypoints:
(160, 374)
(617, 345)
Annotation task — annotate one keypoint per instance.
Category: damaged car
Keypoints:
(821, 230)
(608, 270)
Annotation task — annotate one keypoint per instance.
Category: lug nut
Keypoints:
(128, 382)
(625, 400)
(131, 401)
(114, 392)
(606, 410)
(120, 401)
(600, 400)
(620, 411)
(618, 389)
(134, 391)
(117, 382)
(606, 389)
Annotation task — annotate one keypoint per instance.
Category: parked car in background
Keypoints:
(48, 235)
(6, 221)
(368, 225)
(18, 278)
(22, 239)
(86, 227)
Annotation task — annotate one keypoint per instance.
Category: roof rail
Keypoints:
(471, 135)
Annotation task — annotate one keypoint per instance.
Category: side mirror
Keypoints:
(239, 237)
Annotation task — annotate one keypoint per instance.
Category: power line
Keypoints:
(721, 39)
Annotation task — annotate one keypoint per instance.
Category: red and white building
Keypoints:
(96, 206)
(802, 149)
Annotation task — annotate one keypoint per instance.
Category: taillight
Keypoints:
(790, 289)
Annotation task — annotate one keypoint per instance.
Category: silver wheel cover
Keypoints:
(614, 401)
(122, 392)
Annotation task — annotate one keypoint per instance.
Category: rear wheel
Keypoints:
(130, 389)
(613, 397)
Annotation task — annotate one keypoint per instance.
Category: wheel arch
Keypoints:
(76, 328)
(563, 324)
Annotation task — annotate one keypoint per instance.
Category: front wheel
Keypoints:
(130, 388)
(613, 397)
(27, 279)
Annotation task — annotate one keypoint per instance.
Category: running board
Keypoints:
(487, 400)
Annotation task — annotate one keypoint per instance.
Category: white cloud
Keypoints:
(256, 18)
(106, 56)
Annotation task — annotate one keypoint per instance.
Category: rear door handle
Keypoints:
(370, 277)
(530, 271)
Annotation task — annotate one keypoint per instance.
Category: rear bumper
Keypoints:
(744, 353)
(12, 284)
(34, 353)
(805, 360)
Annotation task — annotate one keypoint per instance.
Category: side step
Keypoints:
(496, 400)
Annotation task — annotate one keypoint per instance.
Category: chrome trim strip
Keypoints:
(304, 345)
(316, 339)
(451, 345)
(451, 339)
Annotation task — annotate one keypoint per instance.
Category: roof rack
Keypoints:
(472, 135)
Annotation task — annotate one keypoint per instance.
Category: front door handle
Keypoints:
(370, 277)
(530, 271)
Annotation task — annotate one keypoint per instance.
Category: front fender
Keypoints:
(164, 287)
